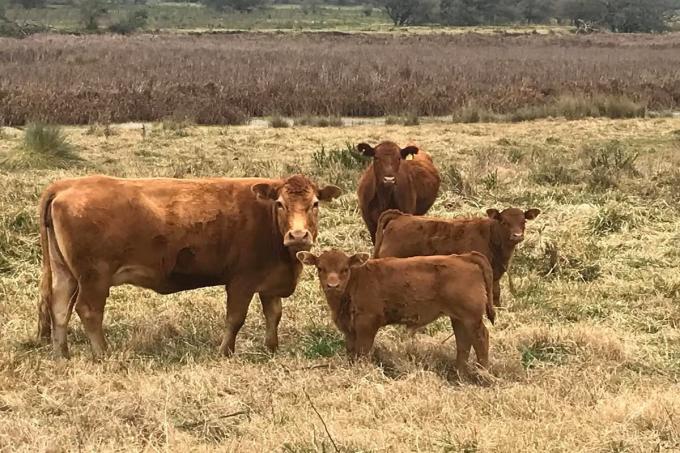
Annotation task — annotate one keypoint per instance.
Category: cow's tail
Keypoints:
(45, 304)
(483, 263)
(385, 218)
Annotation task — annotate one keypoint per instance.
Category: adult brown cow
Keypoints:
(393, 182)
(172, 235)
(495, 236)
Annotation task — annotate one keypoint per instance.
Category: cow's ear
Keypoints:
(329, 192)
(493, 214)
(307, 258)
(409, 150)
(358, 259)
(531, 214)
(266, 191)
(366, 149)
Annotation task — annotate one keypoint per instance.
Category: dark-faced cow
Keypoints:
(365, 295)
(172, 235)
(494, 236)
(394, 182)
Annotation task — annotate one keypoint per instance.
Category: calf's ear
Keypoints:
(307, 258)
(329, 192)
(493, 214)
(358, 259)
(366, 149)
(266, 191)
(531, 214)
(409, 150)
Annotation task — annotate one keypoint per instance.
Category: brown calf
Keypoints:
(172, 235)
(393, 182)
(364, 295)
(495, 237)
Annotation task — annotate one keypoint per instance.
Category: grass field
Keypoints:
(584, 356)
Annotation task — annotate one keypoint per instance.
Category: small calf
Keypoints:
(365, 295)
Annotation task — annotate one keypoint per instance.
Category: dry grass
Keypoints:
(584, 355)
(224, 79)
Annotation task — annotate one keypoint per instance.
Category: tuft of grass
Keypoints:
(321, 342)
(411, 120)
(175, 127)
(43, 146)
(277, 122)
(542, 351)
(455, 181)
(608, 164)
(612, 218)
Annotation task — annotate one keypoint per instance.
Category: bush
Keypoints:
(318, 121)
(244, 6)
(131, 23)
(277, 121)
(44, 146)
(30, 4)
(410, 12)
(91, 11)
(607, 164)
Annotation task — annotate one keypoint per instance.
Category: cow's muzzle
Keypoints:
(389, 180)
(298, 240)
(516, 238)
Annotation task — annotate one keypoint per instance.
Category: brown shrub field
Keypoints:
(226, 78)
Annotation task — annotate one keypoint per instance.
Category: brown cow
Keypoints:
(364, 295)
(393, 182)
(172, 235)
(402, 235)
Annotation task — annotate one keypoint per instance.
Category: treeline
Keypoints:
(616, 15)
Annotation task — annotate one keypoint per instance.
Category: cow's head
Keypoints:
(511, 223)
(387, 158)
(334, 268)
(296, 205)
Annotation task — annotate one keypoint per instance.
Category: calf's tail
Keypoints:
(385, 218)
(44, 306)
(483, 263)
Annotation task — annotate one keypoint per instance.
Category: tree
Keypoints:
(536, 11)
(244, 6)
(410, 12)
(90, 13)
(631, 16)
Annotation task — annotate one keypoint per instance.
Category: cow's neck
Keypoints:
(340, 309)
(385, 197)
(502, 251)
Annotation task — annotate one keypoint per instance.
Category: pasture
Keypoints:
(584, 353)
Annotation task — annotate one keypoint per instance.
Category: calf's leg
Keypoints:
(271, 307)
(463, 344)
(238, 300)
(64, 293)
(480, 341)
(497, 293)
(365, 332)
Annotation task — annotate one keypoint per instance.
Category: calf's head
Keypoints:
(511, 223)
(334, 268)
(387, 158)
(296, 206)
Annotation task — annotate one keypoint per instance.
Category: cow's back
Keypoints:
(163, 234)
(425, 181)
(407, 236)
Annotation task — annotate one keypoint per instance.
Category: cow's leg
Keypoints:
(463, 344)
(271, 307)
(64, 293)
(90, 308)
(238, 300)
(480, 341)
(497, 293)
(365, 332)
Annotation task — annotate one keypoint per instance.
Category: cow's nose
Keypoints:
(517, 237)
(298, 237)
(389, 179)
(333, 285)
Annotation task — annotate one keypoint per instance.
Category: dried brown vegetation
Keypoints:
(584, 354)
(224, 79)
